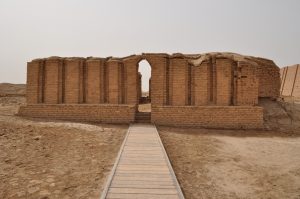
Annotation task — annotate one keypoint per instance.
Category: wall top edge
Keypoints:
(81, 105)
(193, 59)
(210, 107)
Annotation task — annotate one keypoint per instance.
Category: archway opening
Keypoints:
(144, 86)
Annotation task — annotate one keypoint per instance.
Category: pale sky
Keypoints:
(41, 28)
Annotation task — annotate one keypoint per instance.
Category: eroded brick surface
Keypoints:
(217, 89)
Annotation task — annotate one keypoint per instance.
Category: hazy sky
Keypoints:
(40, 28)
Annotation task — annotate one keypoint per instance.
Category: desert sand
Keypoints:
(53, 159)
(234, 164)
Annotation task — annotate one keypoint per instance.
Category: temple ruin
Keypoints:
(290, 84)
(216, 90)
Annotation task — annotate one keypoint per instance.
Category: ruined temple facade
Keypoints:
(219, 90)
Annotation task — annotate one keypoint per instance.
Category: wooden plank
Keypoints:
(132, 178)
(142, 163)
(143, 159)
(149, 171)
(143, 182)
(142, 155)
(144, 186)
(142, 167)
(145, 191)
(132, 168)
(145, 153)
(142, 175)
(141, 196)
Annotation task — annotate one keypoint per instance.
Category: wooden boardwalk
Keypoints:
(142, 169)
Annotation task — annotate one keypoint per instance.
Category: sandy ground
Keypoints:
(42, 159)
(144, 107)
(234, 164)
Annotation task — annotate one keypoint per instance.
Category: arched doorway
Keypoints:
(144, 86)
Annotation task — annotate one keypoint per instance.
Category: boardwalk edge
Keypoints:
(112, 172)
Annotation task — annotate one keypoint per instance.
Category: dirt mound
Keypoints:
(7, 89)
(10, 105)
(280, 115)
(293, 110)
(274, 114)
(15, 100)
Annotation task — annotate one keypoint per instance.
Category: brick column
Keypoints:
(159, 86)
(224, 82)
(179, 84)
(114, 78)
(202, 84)
(95, 81)
(34, 88)
(247, 85)
(52, 80)
(74, 84)
(131, 75)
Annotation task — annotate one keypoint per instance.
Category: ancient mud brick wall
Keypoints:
(131, 70)
(73, 81)
(51, 79)
(178, 88)
(150, 88)
(201, 84)
(269, 78)
(95, 81)
(33, 79)
(159, 67)
(290, 81)
(180, 82)
(81, 112)
(113, 79)
(79, 82)
(246, 85)
(140, 92)
(159, 78)
(224, 85)
(209, 116)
